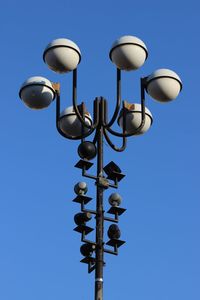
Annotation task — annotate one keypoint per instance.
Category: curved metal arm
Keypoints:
(122, 148)
(96, 110)
(125, 134)
(58, 122)
(118, 103)
(95, 138)
(74, 100)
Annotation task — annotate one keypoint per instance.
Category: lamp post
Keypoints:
(75, 122)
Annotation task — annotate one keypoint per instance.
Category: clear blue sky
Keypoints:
(39, 252)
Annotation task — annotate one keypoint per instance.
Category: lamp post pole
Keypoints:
(99, 218)
(75, 123)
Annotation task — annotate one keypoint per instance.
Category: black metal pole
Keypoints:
(100, 213)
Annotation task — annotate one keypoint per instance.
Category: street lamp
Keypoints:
(75, 122)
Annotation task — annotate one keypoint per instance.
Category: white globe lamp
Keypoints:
(163, 85)
(70, 124)
(128, 53)
(37, 92)
(133, 119)
(62, 55)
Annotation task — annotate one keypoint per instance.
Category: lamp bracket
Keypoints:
(56, 86)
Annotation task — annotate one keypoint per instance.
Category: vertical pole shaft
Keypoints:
(100, 213)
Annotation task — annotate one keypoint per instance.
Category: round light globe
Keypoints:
(81, 188)
(134, 119)
(37, 92)
(87, 150)
(128, 53)
(62, 55)
(70, 124)
(163, 85)
(114, 232)
(87, 249)
(115, 199)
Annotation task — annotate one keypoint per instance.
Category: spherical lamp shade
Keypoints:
(128, 53)
(163, 85)
(87, 249)
(62, 55)
(70, 124)
(81, 188)
(114, 232)
(37, 92)
(133, 119)
(115, 199)
(87, 150)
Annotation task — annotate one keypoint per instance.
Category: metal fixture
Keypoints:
(76, 123)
